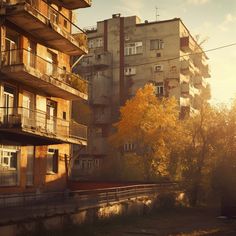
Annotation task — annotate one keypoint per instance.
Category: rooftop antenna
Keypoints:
(157, 14)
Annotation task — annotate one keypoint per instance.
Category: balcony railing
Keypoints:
(187, 67)
(200, 82)
(47, 25)
(184, 101)
(8, 177)
(97, 61)
(73, 4)
(102, 118)
(39, 123)
(61, 83)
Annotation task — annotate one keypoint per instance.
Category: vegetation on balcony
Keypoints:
(43, 67)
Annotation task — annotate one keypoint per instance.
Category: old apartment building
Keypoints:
(37, 88)
(124, 55)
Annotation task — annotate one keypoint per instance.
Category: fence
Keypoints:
(84, 198)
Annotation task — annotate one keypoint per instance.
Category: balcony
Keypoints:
(100, 94)
(185, 102)
(73, 4)
(97, 61)
(45, 24)
(186, 44)
(96, 146)
(36, 72)
(187, 89)
(35, 127)
(102, 117)
(184, 78)
(187, 68)
(200, 82)
(99, 146)
(206, 71)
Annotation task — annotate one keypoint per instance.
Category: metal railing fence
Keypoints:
(43, 67)
(40, 121)
(85, 198)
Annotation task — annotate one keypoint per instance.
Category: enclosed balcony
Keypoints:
(102, 116)
(73, 4)
(186, 44)
(45, 24)
(97, 61)
(99, 146)
(34, 127)
(96, 146)
(36, 72)
(100, 92)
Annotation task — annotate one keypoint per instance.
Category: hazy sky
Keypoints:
(212, 19)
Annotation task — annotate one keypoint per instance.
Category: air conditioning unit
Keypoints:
(158, 68)
(130, 71)
(126, 38)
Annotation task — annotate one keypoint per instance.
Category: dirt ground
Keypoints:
(181, 222)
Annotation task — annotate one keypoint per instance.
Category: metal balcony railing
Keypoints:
(43, 67)
(57, 25)
(73, 4)
(41, 123)
(52, 14)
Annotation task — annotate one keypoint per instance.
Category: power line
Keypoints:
(182, 56)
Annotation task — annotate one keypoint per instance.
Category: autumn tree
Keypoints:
(201, 130)
(224, 172)
(152, 125)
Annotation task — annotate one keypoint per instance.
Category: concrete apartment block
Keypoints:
(124, 55)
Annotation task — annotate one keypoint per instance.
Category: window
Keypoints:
(130, 71)
(99, 42)
(64, 115)
(160, 89)
(9, 165)
(99, 56)
(52, 161)
(95, 43)
(133, 48)
(129, 147)
(156, 44)
(96, 163)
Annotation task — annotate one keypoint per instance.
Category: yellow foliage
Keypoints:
(150, 123)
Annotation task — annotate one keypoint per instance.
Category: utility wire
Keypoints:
(182, 56)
